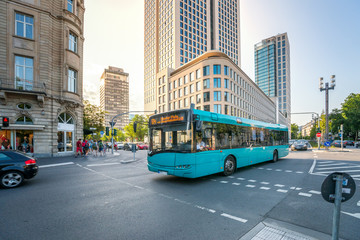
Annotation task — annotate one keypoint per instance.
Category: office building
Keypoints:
(41, 75)
(176, 32)
(272, 70)
(114, 96)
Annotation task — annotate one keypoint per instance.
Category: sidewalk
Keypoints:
(271, 229)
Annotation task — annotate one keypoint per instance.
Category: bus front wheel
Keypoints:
(229, 166)
(275, 156)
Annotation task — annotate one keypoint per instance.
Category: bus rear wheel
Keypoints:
(275, 156)
(229, 166)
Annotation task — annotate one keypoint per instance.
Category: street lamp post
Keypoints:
(326, 89)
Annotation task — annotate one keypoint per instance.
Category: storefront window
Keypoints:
(5, 139)
(65, 133)
(25, 141)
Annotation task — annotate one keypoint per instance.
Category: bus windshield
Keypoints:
(175, 138)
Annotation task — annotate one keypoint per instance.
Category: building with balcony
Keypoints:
(114, 96)
(41, 75)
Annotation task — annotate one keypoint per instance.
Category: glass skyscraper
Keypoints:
(272, 70)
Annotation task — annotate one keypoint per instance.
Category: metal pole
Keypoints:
(319, 128)
(342, 136)
(337, 208)
(327, 113)
(112, 137)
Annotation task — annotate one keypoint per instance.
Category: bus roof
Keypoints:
(221, 118)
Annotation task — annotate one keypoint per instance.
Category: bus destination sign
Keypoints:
(168, 118)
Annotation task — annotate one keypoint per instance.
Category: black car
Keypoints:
(349, 142)
(357, 144)
(299, 145)
(15, 167)
(337, 143)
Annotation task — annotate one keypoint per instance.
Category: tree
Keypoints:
(351, 113)
(141, 130)
(294, 130)
(94, 117)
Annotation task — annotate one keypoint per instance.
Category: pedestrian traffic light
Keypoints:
(107, 131)
(115, 132)
(135, 125)
(5, 122)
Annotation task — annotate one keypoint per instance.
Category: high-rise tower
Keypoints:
(178, 31)
(272, 70)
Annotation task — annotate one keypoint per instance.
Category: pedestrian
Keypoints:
(95, 147)
(78, 148)
(86, 147)
(101, 147)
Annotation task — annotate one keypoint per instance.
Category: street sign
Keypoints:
(328, 187)
(102, 132)
(92, 129)
(327, 144)
(318, 135)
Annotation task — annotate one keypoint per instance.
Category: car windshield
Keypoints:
(300, 142)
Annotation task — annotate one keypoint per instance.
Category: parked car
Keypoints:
(16, 166)
(128, 146)
(291, 142)
(142, 146)
(337, 143)
(349, 142)
(120, 145)
(299, 145)
(357, 144)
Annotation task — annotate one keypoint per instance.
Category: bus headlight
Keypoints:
(183, 166)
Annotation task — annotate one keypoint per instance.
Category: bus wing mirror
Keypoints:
(198, 125)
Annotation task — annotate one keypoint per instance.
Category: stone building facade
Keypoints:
(41, 75)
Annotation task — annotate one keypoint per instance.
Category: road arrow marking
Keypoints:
(355, 215)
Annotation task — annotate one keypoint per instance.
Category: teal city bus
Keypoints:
(193, 143)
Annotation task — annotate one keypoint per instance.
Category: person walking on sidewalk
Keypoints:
(101, 148)
(78, 148)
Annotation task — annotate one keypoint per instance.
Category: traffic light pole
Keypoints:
(326, 89)
(112, 124)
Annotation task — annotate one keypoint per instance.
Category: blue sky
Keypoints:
(323, 35)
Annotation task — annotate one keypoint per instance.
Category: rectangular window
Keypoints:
(192, 88)
(70, 6)
(192, 77)
(226, 109)
(217, 108)
(198, 86)
(24, 26)
(198, 98)
(206, 70)
(226, 96)
(207, 108)
(217, 82)
(186, 91)
(206, 84)
(72, 76)
(206, 96)
(217, 96)
(198, 74)
(24, 73)
(72, 42)
(226, 70)
(226, 83)
(217, 69)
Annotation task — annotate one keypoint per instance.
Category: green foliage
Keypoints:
(94, 117)
(351, 113)
(294, 131)
(141, 130)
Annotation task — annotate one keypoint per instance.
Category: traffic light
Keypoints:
(107, 131)
(115, 132)
(135, 125)
(5, 122)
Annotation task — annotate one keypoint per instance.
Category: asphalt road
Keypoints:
(116, 198)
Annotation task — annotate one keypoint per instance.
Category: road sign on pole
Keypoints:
(318, 135)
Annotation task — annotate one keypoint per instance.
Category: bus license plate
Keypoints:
(163, 172)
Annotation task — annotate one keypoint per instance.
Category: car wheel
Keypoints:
(11, 179)
(275, 156)
(229, 166)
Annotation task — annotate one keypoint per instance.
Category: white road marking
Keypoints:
(355, 215)
(315, 192)
(206, 209)
(251, 180)
(278, 170)
(279, 185)
(269, 169)
(327, 172)
(299, 172)
(250, 186)
(282, 190)
(56, 165)
(298, 188)
(230, 176)
(214, 180)
(288, 171)
(358, 204)
(353, 166)
(305, 194)
(312, 167)
(326, 162)
(234, 218)
(265, 188)
(265, 183)
(102, 164)
(241, 178)
(235, 183)
(331, 164)
(260, 168)
(223, 181)
(139, 187)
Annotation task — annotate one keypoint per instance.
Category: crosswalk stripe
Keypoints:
(339, 167)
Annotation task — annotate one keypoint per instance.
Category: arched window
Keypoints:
(24, 106)
(24, 120)
(65, 118)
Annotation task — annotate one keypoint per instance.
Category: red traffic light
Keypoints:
(5, 122)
